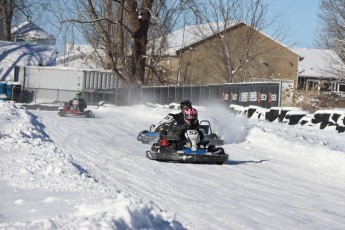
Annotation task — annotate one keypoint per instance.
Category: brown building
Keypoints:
(238, 54)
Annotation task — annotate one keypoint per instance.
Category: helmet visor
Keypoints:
(184, 107)
(190, 116)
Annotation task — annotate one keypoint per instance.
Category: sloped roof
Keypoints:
(29, 29)
(319, 63)
(78, 56)
(192, 34)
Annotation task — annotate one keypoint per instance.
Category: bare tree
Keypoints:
(139, 20)
(6, 14)
(12, 11)
(332, 35)
(168, 17)
(118, 31)
(128, 37)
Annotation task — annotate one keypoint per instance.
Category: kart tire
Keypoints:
(61, 113)
(214, 136)
(88, 114)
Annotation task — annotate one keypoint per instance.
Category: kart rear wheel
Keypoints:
(214, 136)
(62, 113)
(88, 114)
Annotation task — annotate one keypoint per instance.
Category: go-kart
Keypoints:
(169, 149)
(147, 136)
(74, 110)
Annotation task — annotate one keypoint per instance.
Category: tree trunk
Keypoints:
(140, 22)
(6, 18)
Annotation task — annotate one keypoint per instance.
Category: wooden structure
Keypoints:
(238, 54)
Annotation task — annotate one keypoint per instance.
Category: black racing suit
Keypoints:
(175, 133)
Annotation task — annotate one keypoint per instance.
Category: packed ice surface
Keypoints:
(80, 173)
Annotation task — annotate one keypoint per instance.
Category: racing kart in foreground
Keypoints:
(147, 136)
(69, 111)
(190, 152)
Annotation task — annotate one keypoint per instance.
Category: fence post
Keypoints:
(174, 88)
(129, 96)
(280, 93)
(35, 95)
(141, 94)
(91, 98)
(190, 92)
(117, 89)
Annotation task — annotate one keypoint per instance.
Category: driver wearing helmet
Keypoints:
(172, 119)
(190, 116)
(82, 103)
(190, 123)
(172, 123)
(179, 117)
(185, 104)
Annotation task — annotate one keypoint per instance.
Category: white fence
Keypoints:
(61, 83)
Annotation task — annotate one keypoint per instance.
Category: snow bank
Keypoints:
(323, 152)
(44, 188)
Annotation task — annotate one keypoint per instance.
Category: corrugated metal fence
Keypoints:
(51, 84)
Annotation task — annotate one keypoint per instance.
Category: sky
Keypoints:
(299, 18)
(92, 173)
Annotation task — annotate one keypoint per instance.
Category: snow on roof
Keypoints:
(78, 56)
(25, 54)
(319, 63)
(193, 33)
(29, 29)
